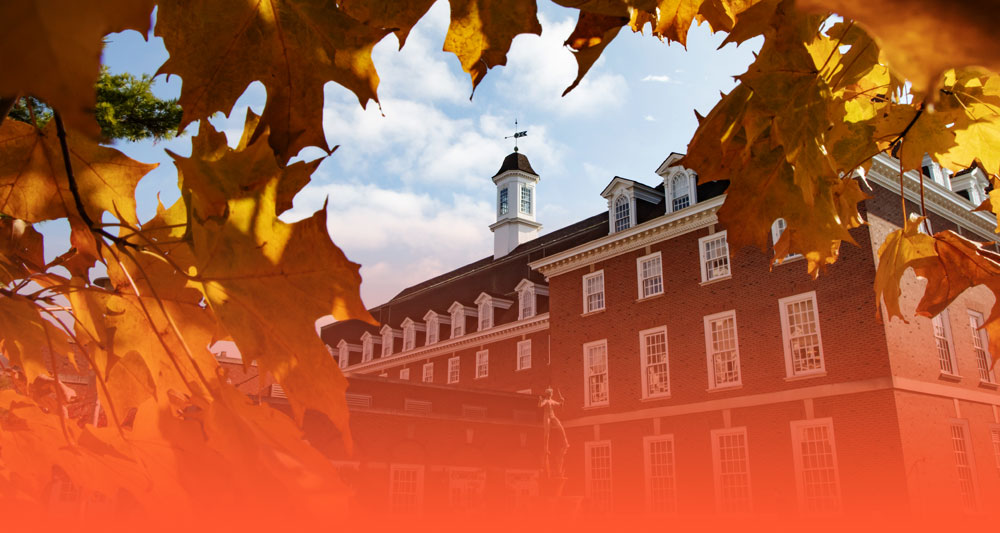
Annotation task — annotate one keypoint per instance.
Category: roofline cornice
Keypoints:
(700, 215)
(885, 172)
(514, 329)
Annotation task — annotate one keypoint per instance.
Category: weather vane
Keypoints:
(517, 134)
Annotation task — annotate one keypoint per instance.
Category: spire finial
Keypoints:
(517, 134)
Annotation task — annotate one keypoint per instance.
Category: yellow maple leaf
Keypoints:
(901, 249)
(293, 47)
(589, 38)
(481, 31)
(399, 16)
(30, 341)
(21, 251)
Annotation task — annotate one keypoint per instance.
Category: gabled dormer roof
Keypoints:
(387, 328)
(640, 190)
(343, 343)
(497, 301)
(540, 288)
(371, 336)
(670, 161)
(409, 322)
(469, 310)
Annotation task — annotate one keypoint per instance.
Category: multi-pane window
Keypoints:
(732, 470)
(433, 327)
(595, 369)
(815, 455)
(406, 488)
(777, 229)
(800, 332)
(623, 216)
(482, 364)
(964, 465)
(593, 292)
(681, 192)
(598, 474)
(526, 304)
(409, 337)
(387, 340)
(504, 204)
(714, 252)
(367, 349)
(428, 375)
(344, 355)
(404, 373)
(457, 322)
(661, 485)
(723, 350)
(650, 271)
(979, 344)
(655, 370)
(453, 368)
(526, 200)
(943, 343)
(524, 354)
(485, 314)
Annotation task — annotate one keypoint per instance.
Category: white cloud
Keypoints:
(399, 237)
(649, 118)
(539, 69)
(659, 78)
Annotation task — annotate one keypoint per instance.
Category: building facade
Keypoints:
(698, 380)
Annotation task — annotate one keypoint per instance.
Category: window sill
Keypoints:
(522, 369)
(654, 398)
(801, 377)
(593, 407)
(716, 280)
(791, 259)
(989, 385)
(724, 388)
(650, 297)
(595, 312)
(946, 376)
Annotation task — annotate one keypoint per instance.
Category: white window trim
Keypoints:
(517, 364)
(432, 325)
(587, 403)
(526, 296)
(404, 373)
(717, 464)
(985, 340)
(648, 479)
(971, 455)
(419, 469)
(776, 235)
(588, 448)
(702, 259)
(485, 311)
(644, 362)
(796, 427)
(630, 202)
(638, 275)
(482, 355)
(995, 442)
(454, 363)
(668, 189)
(786, 342)
(604, 299)
(710, 356)
(950, 339)
(531, 199)
(424, 373)
(343, 354)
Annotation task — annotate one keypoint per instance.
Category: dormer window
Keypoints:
(409, 335)
(503, 203)
(458, 313)
(344, 354)
(432, 323)
(680, 192)
(367, 347)
(388, 335)
(486, 303)
(485, 314)
(527, 298)
(623, 215)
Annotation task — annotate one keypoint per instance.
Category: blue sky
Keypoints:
(409, 192)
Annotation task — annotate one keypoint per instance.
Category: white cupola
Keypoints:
(516, 204)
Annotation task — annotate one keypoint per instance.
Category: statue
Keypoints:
(548, 405)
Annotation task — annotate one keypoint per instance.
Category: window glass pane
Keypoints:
(599, 476)
(725, 351)
(504, 207)
(526, 200)
(681, 192)
(597, 374)
(651, 276)
(715, 254)
(622, 215)
(655, 364)
(817, 464)
(803, 336)
(733, 473)
(660, 482)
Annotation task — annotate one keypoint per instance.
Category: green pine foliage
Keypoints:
(126, 109)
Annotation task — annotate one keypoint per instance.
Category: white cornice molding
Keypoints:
(885, 172)
(513, 329)
(700, 215)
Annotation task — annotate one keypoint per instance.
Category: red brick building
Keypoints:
(695, 379)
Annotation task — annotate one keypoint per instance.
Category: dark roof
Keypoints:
(516, 161)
